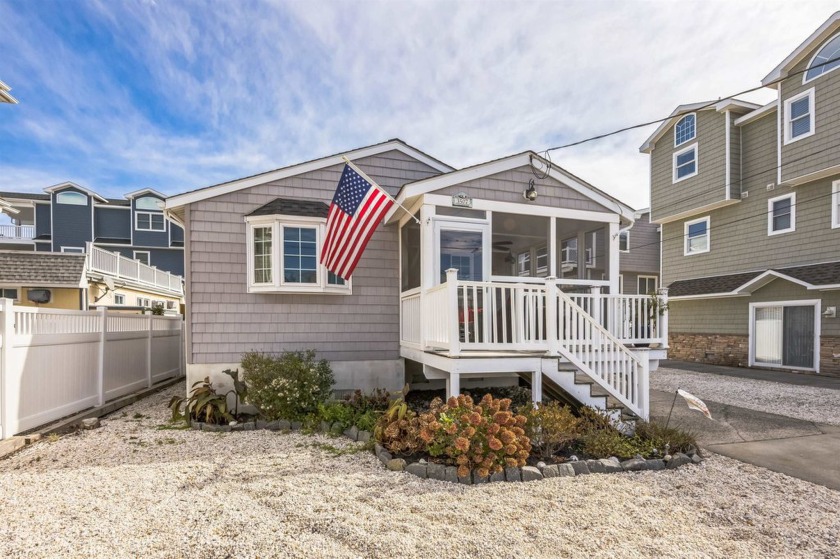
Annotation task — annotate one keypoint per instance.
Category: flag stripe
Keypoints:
(357, 208)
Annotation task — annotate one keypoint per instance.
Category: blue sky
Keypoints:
(176, 95)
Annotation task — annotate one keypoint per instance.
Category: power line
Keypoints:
(707, 105)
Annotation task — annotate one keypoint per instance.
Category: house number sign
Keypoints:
(461, 200)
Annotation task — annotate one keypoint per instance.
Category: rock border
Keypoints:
(441, 472)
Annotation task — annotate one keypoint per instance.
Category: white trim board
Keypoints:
(300, 168)
(822, 33)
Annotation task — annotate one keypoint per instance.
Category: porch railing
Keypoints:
(22, 232)
(116, 265)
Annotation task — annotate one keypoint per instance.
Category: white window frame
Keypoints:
(708, 221)
(119, 299)
(626, 235)
(17, 292)
(770, 215)
(73, 250)
(148, 254)
(278, 223)
(677, 124)
(642, 276)
(151, 228)
(686, 149)
(816, 303)
(835, 205)
(811, 110)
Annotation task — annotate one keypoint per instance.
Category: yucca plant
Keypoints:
(203, 404)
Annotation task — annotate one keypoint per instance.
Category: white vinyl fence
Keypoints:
(55, 363)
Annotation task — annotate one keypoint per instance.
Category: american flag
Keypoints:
(357, 207)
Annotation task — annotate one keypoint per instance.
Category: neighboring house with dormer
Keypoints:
(748, 198)
(130, 241)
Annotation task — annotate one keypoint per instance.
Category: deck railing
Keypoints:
(22, 232)
(116, 265)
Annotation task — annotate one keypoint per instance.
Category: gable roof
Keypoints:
(720, 106)
(153, 192)
(42, 269)
(5, 96)
(289, 206)
(813, 276)
(803, 50)
(64, 185)
(431, 184)
(305, 167)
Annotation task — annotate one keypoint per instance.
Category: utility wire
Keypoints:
(707, 105)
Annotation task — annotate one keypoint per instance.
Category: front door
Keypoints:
(461, 245)
(784, 335)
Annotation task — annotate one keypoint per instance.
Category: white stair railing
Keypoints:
(582, 340)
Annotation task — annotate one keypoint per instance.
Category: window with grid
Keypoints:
(147, 221)
(685, 163)
(685, 130)
(262, 254)
(300, 264)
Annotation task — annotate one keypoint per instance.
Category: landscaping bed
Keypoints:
(502, 436)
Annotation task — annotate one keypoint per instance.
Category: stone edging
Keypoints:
(430, 470)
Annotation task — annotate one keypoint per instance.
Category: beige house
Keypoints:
(748, 198)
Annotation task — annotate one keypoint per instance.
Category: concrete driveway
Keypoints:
(801, 449)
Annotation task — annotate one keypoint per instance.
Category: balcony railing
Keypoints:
(17, 232)
(116, 265)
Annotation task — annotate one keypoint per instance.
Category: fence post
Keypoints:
(452, 303)
(552, 332)
(103, 339)
(149, 351)
(662, 320)
(7, 330)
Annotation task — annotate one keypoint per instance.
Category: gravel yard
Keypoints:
(131, 489)
(821, 405)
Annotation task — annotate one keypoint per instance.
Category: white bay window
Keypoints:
(284, 254)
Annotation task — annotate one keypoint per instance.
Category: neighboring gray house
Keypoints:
(639, 260)
(749, 202)
(478, 283)
(5, 96)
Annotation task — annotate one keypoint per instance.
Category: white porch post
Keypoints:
(7, 330)
(103, 339)
(662, 320)
(612, 269)
(427, 268)
(552, 333)
(536, 387)
(453, 385)
(452, 309)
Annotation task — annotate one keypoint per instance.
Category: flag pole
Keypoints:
(676, 393)
(371, 181)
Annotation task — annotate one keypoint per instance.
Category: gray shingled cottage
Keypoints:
(512, 272)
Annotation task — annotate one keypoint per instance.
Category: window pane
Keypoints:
(686, 157)
(624, 241)
(410, 255)
(299, 251)
(513, 237)
(262, 255)
(333, 279)
(148, 203)
(143, 221)
(72, 198)
(800, 126)
(799, 108)
(685, 129)
(827, 59)
(157, 222)
(696, 229)
(461, 250)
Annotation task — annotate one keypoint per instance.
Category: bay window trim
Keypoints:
(278, 224)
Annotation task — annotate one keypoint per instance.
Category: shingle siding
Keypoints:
(708, 186)
(644, 249)
(71, 225)
(226, 321)
(111, 223)
(508, 186)
(822, 149)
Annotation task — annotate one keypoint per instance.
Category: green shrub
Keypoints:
(551, 427)
(336, 412)
(377, 401)
(485, 437)
(367, 421)
(203, 404)
(290, 386)
(656, 436)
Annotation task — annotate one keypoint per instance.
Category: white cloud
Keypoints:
(219, 93)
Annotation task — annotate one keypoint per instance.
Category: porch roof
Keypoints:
(42, 269)
(812, 276)
(290, 206)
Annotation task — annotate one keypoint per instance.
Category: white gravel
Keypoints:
(129, 489)
(821, 405)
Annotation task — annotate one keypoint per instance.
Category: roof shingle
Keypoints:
(814, 274)
(288, 206)
(41, 268)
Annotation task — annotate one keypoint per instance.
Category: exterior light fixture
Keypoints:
(531, 193)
